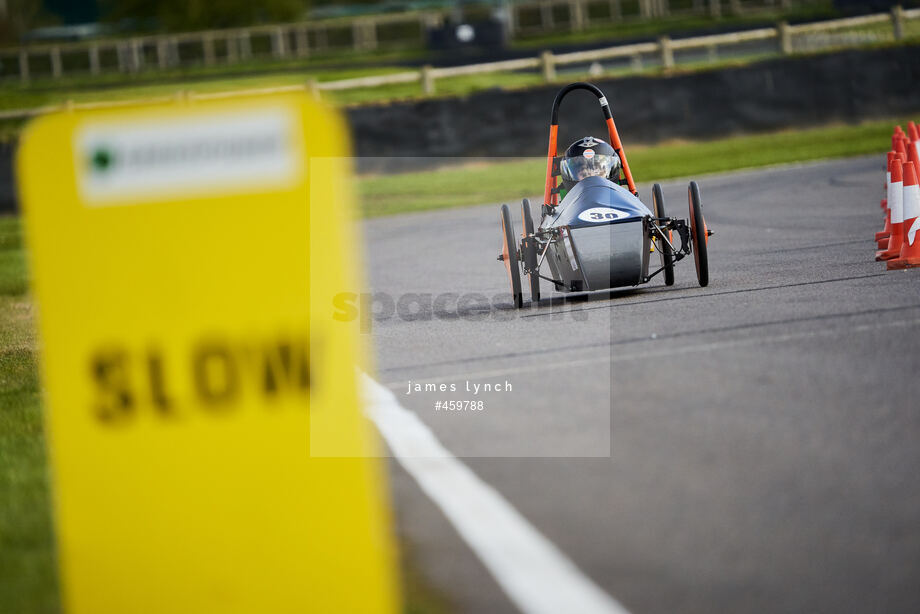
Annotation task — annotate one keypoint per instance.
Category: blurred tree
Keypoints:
(178, 15)
(18, 17)
(73, 11)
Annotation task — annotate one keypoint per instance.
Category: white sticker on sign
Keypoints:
(121, 163)
(601, 214)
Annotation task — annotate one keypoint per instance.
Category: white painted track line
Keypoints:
(535, 574)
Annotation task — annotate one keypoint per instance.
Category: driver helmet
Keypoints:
(589, 157)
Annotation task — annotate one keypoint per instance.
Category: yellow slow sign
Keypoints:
(195, 385)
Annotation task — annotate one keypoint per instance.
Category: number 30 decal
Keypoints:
(601, 214)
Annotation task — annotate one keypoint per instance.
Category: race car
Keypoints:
(600, 236)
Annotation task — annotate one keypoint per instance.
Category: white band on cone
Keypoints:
(911, 209)
(896, 201)
(913, 230)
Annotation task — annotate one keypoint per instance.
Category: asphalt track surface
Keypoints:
(751, 446)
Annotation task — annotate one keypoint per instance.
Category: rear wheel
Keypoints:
(530, 252)
(667, 259)
(699, 234)
(510, 257)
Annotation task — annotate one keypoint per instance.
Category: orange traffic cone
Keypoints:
(909, 255)
(882, 237)
(913, 155)
(913, 135)
(895, 208)
(896, 145)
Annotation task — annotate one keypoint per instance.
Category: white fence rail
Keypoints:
(363, 34)
(663, 49)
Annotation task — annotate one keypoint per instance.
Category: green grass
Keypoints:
(28, 581)
(509, 181)
(19, 97)
(12, 259)
(454, 86)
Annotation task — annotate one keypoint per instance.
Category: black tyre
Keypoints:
(667, 258)
(510, 257)
(699, 234)
(530, 252)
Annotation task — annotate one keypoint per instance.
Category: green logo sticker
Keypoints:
(102, 159)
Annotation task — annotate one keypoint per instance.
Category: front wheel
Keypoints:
(699, 234)
(510, 257)
(530, 252)
(667, 259)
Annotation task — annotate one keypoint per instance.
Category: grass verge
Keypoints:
(509, 181)
(24, 97)
(27, 574)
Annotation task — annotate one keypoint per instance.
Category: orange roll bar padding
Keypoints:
(552, 199)
(548, 195)
(618, 147)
